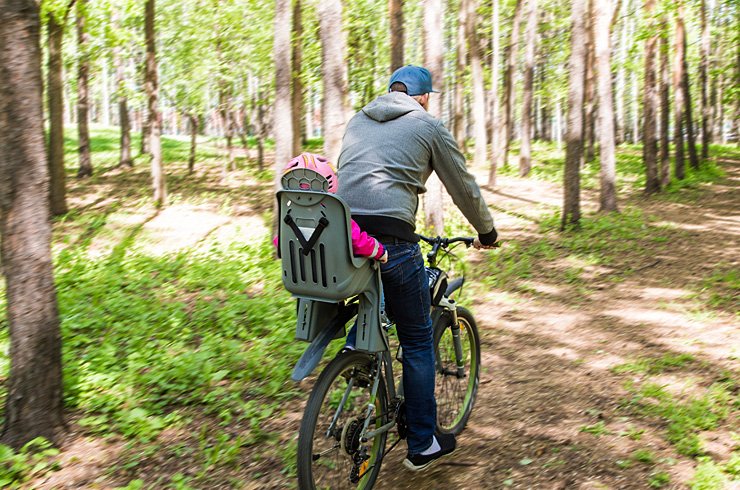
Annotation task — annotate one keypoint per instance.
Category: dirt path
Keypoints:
(547, 356)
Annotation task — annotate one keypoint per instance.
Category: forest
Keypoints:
(146, 339)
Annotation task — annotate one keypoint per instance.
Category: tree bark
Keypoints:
(125, 159)
(458, 121)
(297, 95)
(155, 122)
(334, 72)
(607, 146)
(525, 153)
(433, 60)
(476, 69)
(193, 122)
(55, 94)
(706, 110)
(83, 93)
(510, 55)
(283, 123)
(495, 106)
(691, 135)
(665, 105)
(650, 105)
(621, 81)
(574, 133)
(589, 118)
(33, 406)
(395, 11)
(678, 98)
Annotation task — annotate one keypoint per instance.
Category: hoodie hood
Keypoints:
(391, 106)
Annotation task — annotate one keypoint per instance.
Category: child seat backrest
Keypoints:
(315, 248)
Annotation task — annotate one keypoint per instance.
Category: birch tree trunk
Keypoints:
(33, 406)
(297, 95)
(124, 159)
(433, 60)
(83, 93)
(691, 135)
(574, 133)
(458, 124)
(55, 94)
(155, 123)
(650, 105)
(193, 124)
(525, 153)
(395, 11)
(706, 110)
(476, 68)
(283, 123)
(510, 55)
(334, 72)
(678, 97)
(607, 150)
(665, 105)
(495, 107)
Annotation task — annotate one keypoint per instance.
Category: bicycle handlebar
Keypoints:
(444, 242)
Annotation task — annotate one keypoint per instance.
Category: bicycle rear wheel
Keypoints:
(331, 453)
(456, 389)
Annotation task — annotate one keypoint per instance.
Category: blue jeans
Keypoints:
(406, 292)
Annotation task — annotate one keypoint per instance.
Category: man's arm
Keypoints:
(449, 164)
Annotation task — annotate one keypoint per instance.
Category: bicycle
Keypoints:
(355, 403)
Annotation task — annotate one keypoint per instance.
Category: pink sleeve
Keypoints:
(275, 241)
(365, 245)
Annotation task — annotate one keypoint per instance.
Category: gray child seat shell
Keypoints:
(318, 266)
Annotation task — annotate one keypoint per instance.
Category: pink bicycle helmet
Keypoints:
(317, 163)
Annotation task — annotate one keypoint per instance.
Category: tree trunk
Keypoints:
(650, 105)
(678, 98)
(33, 406)
(607, 146)
(589, 119)
(510, 55)
(193, 121)
(125, 159)
(155, 123)
(574, 132)
(433, 60)
(297, 95)
(458, 122)
(706, 126)
(334, 72)
(283, 117)
(83, 93)
(693, 156)
(225, 115)
(395, 11)
(665, 105)
(495, 106)
(525, 153)
(621, 79)
(476, 69)
(55, 93)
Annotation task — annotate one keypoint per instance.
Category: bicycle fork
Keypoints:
(450, 306)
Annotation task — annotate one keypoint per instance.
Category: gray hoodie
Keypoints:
(388, 152)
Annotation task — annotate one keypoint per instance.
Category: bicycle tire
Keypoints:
(454, 405)
(360, 366)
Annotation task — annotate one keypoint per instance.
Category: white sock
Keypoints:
(433, 448)
(349, 347)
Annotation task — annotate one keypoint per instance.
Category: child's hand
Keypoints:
(384, 258)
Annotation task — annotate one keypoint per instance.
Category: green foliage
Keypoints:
(659, 479)
(708, 476)
(644, 456)
(33, 459)
(658, 365)
(598, 429)
(722, 288)
(685, 419)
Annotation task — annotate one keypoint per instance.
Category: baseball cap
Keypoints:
(417, 79)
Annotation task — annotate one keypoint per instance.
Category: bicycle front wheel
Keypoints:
(458, 370)
(331, 452)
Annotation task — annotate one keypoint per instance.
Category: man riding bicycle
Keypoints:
(388, 152)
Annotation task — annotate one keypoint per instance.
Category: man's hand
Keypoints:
(384, 258)
(478, 245)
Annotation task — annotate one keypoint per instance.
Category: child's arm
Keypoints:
(367, 246)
